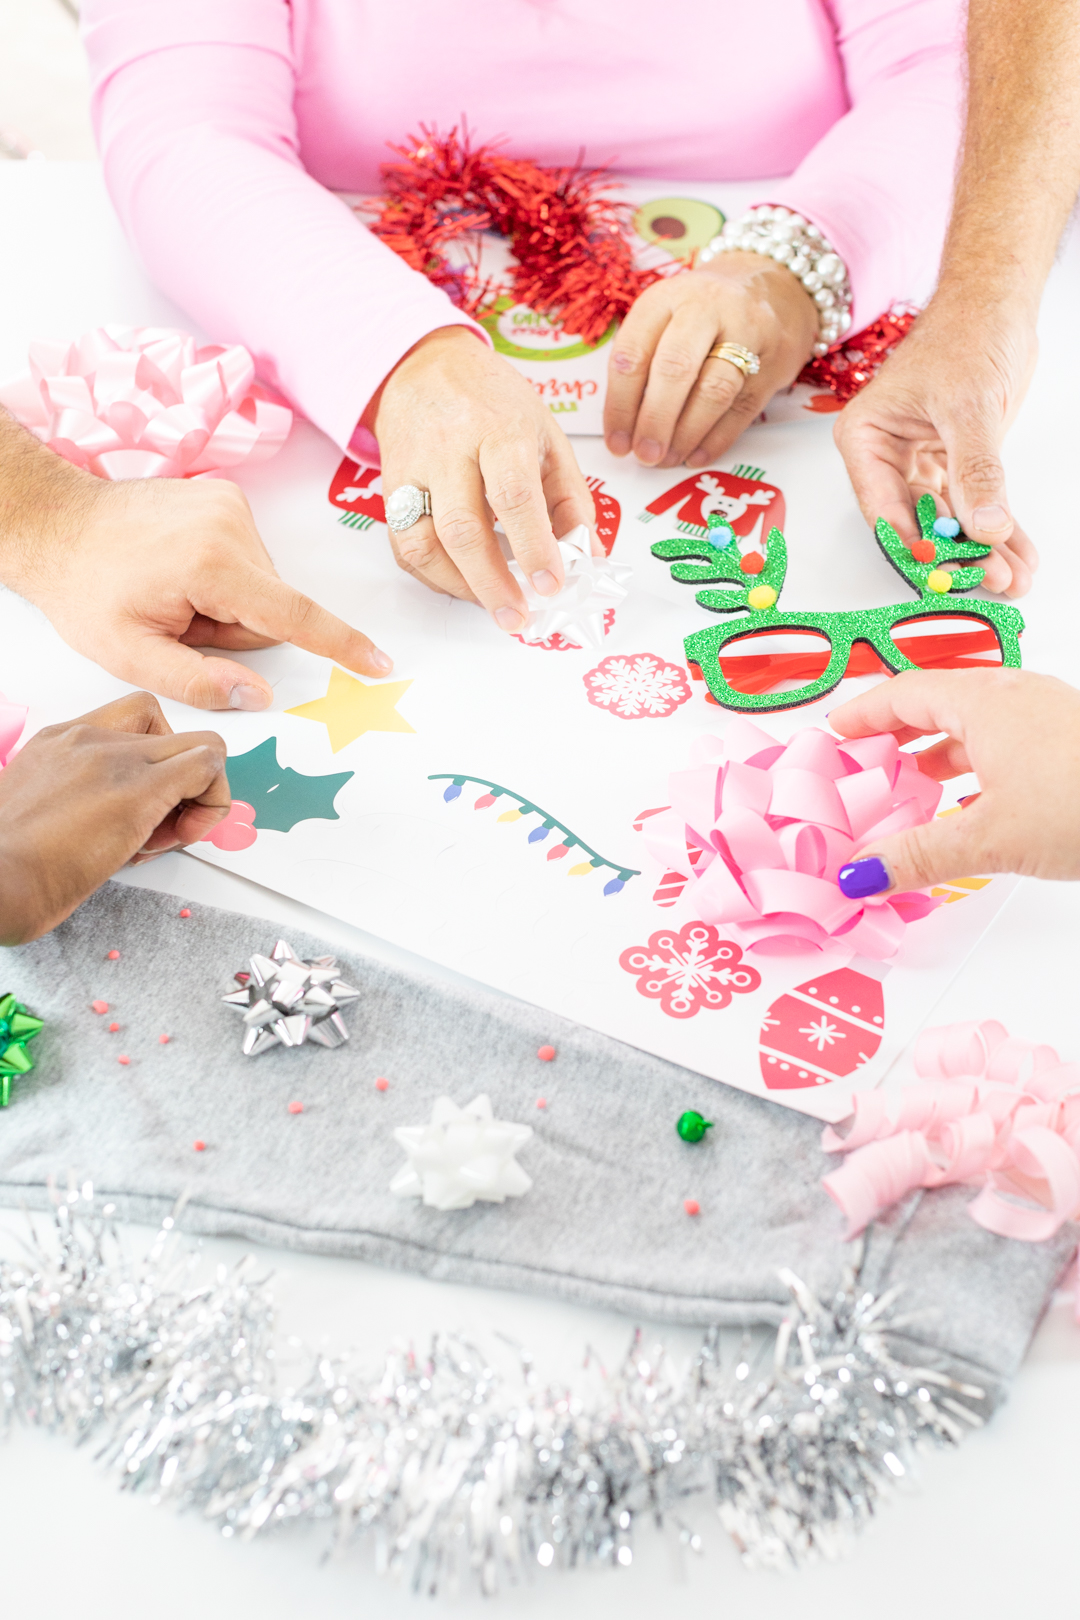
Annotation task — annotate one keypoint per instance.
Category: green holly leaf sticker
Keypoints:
(281, 796)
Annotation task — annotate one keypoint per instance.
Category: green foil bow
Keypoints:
(17, 1026)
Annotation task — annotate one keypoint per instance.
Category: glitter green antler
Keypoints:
(720, 560)
(920, 572)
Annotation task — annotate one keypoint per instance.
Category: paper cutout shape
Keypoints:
(607, 512)
(351, 708)
(281, 796)
(236, 831)
(462, 1155)
(637, 686)
(825, 1029)
(538, 834)
(689, 968)
(739, 498)
(756, 596)
(356, 495)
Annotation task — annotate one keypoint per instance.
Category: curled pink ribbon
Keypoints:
(145, 402)
(761, 829)
(996, 1112)
(12, 721)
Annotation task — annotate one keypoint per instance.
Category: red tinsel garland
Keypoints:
(570, 241)
(850, 366)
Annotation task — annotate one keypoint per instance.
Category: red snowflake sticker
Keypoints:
(637, 686)
(689, 968)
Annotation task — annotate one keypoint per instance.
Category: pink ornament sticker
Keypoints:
(688, 968)
(825, 1028)
(637, 686)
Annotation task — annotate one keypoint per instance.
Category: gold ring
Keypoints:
(744, 360)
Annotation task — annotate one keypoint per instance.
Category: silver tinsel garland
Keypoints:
(456, 1471)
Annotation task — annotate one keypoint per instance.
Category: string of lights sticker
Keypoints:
(538, 834)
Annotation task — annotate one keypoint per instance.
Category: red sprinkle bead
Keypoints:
(124, 1059)
(545, 1053)
(113, 1028)
(923, 551)
(241, 978)
(691, 1206)
(163, 1040)
(114, 956)
(199, 1145)
(185, 912)
(296, 1108)
(541, 1102)
(99, 1007)
(381, 1084)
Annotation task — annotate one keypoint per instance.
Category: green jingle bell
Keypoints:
(692, 1126)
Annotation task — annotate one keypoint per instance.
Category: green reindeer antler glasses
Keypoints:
(757, 595)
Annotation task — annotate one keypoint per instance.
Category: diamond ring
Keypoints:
(744, 360)
(406, 506)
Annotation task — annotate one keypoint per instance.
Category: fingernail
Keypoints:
(248, 697)
(381, 660)
(545, 583)
(508, 618)
(649, 451)
(990, 519)
(619, 444)
(865, 877)
(697, 458)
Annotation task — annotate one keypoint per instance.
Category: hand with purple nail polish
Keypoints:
(82, 798)
(1019, 733)
(139, 575)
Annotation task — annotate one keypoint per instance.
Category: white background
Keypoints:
(993, 1527)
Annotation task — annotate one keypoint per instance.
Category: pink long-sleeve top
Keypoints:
(227, 126)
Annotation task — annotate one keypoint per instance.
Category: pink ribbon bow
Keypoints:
(12, 720)
(762, 828)
(145, 402)
(999, 1113)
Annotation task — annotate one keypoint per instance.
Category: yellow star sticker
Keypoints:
(350, 708)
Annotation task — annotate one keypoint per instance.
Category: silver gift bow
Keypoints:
(288, 1000)
(593, 585)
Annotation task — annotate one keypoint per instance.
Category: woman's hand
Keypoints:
(665, 400)
(457, 420)
(1019, 733)
(83, 798)
(138, 575)
(934, 418)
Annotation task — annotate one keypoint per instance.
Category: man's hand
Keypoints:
(934, 419)
(138, 575)
(1019, 733)
(83, 798)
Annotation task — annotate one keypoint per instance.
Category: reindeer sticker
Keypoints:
(739, 498)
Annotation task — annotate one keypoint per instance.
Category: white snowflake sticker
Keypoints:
(637, 686)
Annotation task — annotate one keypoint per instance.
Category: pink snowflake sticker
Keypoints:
(688, 968)
(637, 686)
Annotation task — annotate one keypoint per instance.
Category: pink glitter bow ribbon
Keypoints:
(145, 402)
(762, 828)
(1000, 1113)
(12, 720)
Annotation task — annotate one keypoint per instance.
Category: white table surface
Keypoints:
(990, 1530)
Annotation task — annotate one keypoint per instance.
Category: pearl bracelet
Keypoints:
(793, 242)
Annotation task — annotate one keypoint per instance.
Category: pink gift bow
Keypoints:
(145, 402)
(1000, 1113)
(762, 828)
(12, 720)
